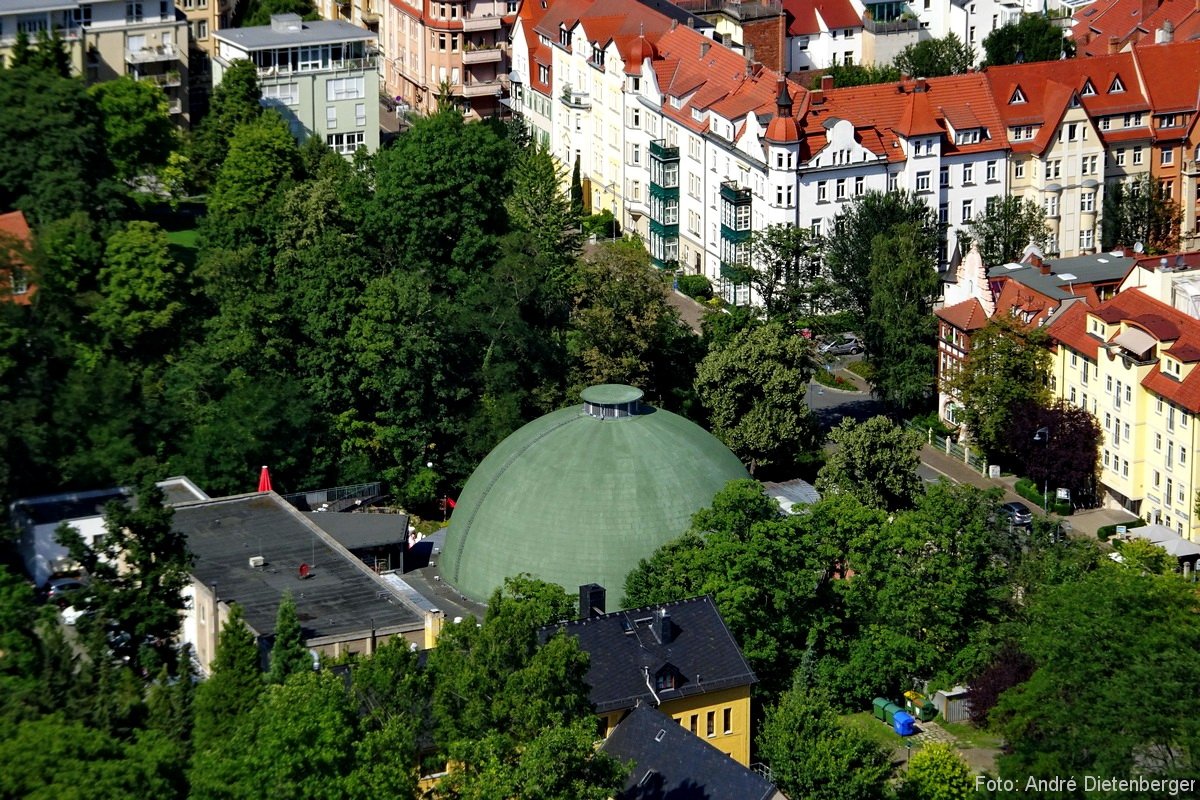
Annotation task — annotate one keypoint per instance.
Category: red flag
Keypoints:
(264, 481)
(450, 502)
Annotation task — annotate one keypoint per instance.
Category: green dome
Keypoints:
(582, 494)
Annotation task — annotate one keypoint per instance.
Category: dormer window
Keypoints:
(564, 36)
(969, 136)
(1017, 98)
(666, 679)
(1074, 101)
(597, 56)
(1117, 86)
(1088, 89)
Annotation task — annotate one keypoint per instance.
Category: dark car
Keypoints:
(60, 590)
(1018, 514)
(847, 344)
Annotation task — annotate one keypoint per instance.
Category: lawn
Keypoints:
(183, 246)
(876, 731)
(970, 736)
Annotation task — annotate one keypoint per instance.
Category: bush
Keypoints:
(828, 324)
(864, 369)
(827, 378)
(1033, 493)
(926, 421)
(695, 286)
(1109, 530)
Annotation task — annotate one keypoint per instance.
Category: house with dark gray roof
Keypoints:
(251, 549)
(679, 657)
(668, 761)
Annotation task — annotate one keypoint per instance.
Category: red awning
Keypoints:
(264, 481)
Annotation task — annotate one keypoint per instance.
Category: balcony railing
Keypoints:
(150, 55)
(484, 23)
(481, 55)
(482, 88)
(575, 99)
(895, 26)
(1191, 167)
(165, 81)
(734, 194)
(660, 150)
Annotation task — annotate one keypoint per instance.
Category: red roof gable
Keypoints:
(967, 316)
(15, 241)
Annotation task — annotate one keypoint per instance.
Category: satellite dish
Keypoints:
(1139, 248)
(305, 570)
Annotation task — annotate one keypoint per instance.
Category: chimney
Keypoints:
(591, 601)
(691, 22)
(748, 50)
(664, 629)
(1043, 267)
(1165, 34)
(1035, 260)
(827, 80)
(704, 48)
(675, 22)
(1114, 45)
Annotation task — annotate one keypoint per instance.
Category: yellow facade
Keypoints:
(721, 718)
(1147, 463)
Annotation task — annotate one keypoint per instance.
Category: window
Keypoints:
(1120, 156)
(712, 723)
(991, 172)
(783, 195)
(840, 189)
(1087, 165)
(346, 143)
(1170, 491)
(543, 73)
(281, 94)
(664, 680)
(728, 713)
(692, 723)
(893, 181)
(1087, 202)
(133, 12)
(1158, 442)
(1137, 156)
(944, 177)
(923, 181)
(816, 226)
(860, 185)
(360, 115)
(694, 148)
(202, 29)
(1182, 456)
(1157, 478)
(694, 185)
(330, 117)
(82, 16)
(635, 154)
(916, 147)
(967, 210)
(1168, 157)
(1116, 86)
(1125, 469)
(1126, 431)
(822, 191)
(1017, 97)
(693, 223)
(1052, 205)
(968, 173)
(345, 89)
(1019, 169)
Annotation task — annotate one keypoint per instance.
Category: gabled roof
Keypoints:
(1170, 75)
(967, 316)
(624, 649)
(916, 118)
(1098, 24)
(671, 762)
(812, 17)
(15, 241)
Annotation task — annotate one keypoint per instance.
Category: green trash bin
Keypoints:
(878, 704)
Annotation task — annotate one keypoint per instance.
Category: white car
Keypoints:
(70, 615)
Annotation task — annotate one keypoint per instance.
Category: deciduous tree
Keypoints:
(875, 461)
(1138, 212)
(754, 389)
(786, 271)
(1035, 37)
(138, 135)
(933, 58)
(1005, 228)
(936, 772)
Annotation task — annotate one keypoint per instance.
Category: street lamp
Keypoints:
(614, 216)
(1043, 436)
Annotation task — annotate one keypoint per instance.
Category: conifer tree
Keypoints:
(288, 653)
(234, 686)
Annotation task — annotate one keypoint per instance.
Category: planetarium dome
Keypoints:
(582, 494)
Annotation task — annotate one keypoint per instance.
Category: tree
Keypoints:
(138, 135)
(576, 189)
(622, 328)
(936, 772)
(53, 161)
(288, 653)
(1005, 228)
(899, 330)
(259, 12)
(1008, 667)
(242, 206)
(234, 686)
(1035, 37)
(235, 101)
(848, 251)
(1148, 652)
(812, 756)
(142, 292)
(1142, 555)
(785, 270)
(875, 461)
(1138, 211)
(933, 58)
(754, 389)
(139, 569)
(1005, 370)
(861, 74)
(1057, 446)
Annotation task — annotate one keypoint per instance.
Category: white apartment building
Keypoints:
(320, 76)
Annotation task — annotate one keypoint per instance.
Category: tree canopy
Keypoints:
(1035, 37)
(933, 58)
(875, 462)
(1005, 228)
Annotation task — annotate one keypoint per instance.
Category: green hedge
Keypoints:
(1106, 531)
(1033, 493)
(695, 286)
(827, 378)
(828, 324)
(930, 420)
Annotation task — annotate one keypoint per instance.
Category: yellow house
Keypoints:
(1132, 362)
(678, 657)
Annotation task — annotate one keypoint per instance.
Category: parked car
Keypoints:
(60, 590)
(846, 344)
(1018, 514)
(71, 615)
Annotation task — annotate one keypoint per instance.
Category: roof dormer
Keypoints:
(1088, 89)
(1117, 86)
(1017, 97)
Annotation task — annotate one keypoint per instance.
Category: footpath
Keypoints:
(1083, 523)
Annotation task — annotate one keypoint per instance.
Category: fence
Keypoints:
(951, 448)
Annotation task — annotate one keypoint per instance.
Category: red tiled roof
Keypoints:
(917, 117)
(967, 316)
(804, 17)
(1171, 74)
(1070, 329)
(16, 238)
(1127, 21)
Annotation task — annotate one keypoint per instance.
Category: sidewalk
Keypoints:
(1085, 522)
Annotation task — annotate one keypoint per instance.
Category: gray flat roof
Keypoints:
(35, 6)
(262, 37)
(356, 530)
(1090, 268)
(341, 595)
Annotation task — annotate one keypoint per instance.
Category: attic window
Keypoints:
(1117, 87)
(1017, 97)
(658, 737)
(676, 102)
(564, 36)
(1088, 88)
(969, 136)
(665, 679)
(597, 55)
(1074, 100)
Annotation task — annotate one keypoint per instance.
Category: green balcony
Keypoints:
(730, 192)
(660, 150)
(663, 229)
(737, 237)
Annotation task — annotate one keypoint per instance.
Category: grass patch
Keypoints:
(876, 731)
(969, 736)
(827, 378)
(862, 368)
(183, 246)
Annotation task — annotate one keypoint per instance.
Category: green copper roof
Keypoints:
(574, 499)
(610, 394)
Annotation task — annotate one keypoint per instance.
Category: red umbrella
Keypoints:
(264, 481)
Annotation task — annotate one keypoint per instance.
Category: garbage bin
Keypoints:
(903, 723)
(878, 705)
